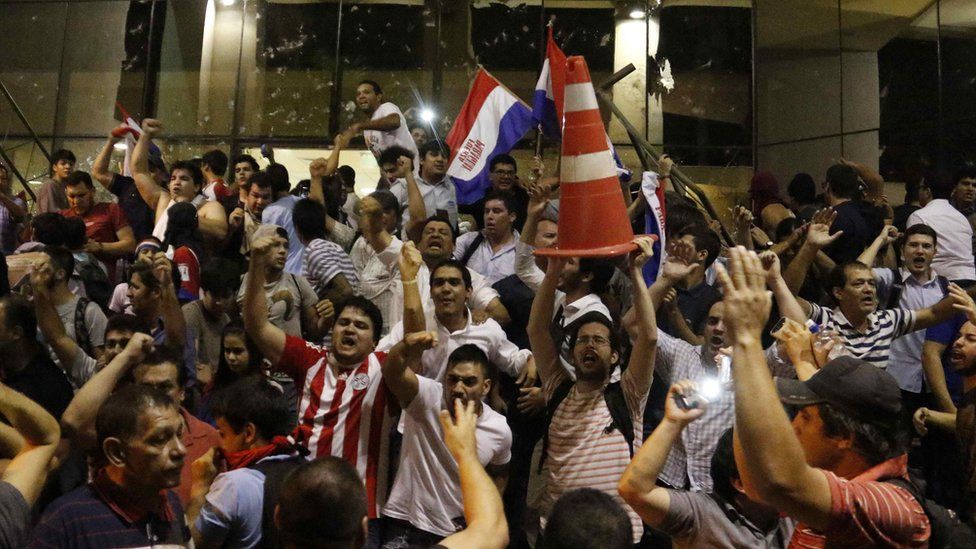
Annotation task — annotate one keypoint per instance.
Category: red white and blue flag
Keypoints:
(654, 223)
(492, 120)
(547, 103)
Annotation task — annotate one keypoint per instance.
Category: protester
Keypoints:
(51, 197)
(135, 209)
(13, 211)
(386, 126)
(214, 167)
(954, 260)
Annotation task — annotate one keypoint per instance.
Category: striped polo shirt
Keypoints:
(874, 344)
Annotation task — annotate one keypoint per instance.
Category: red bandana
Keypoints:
(297, 442)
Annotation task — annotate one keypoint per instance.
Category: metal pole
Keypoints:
(23, 120)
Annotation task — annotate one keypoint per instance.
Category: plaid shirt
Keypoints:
(689, 463)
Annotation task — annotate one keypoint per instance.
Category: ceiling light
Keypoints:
(637, 14)
(427, 115)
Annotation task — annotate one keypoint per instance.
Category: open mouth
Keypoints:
(347, 340)
(918, 262)
(867, 300)
(717, 341)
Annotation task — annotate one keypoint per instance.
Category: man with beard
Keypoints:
(964, 196)
(343, 401)
(491, 251)
(914, 286)
(962, 358)
(425, 505)
(129, 503)
(593, 422)
(386, 125)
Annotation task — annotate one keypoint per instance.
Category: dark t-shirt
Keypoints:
(857, 233)
(901, 215)
(44, 383)
(694, 304)
(136, 210)
(4, 280)
(14, 517)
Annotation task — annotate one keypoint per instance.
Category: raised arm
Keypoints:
(957, 301)
(50, 323)
(413, 308)
(790, 306)
(678, 265)
(638, 485)
(170, 309)
(269, 338)
(28, 468)
(483, 509)
(320, 168)
(540, 339)
(872, 179)
(641, 365)
(213, 221)
(935, 375)
(818, 237)
(887, 235)
(525, 267)
(148, 189)
(415, 199)
(78, 420)
(387, 123)
(769, 457)
(100, 167)
(401, 364)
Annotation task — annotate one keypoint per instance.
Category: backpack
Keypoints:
(613, 395)
(274, 473)
(97, 286)
(81, 328)
(947, 530)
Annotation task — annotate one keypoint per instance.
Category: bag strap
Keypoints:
(558, 396)
(81, 327)
(472, 248)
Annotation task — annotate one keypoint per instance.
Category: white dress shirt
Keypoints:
(494, 265)
(954, 254)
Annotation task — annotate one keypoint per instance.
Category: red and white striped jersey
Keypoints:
(348, 413)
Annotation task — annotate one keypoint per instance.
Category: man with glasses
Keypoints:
(503, 175)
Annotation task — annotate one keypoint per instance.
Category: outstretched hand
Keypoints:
(410, 261)
(962, 302)
(459, 430)
(747, 302)
(681, 261)
(644, 252)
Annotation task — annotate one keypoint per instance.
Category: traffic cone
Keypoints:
(593, 218)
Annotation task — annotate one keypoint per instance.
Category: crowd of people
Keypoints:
(223, 356)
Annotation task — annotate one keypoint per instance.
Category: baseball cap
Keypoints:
(850, 384)
(269, 229)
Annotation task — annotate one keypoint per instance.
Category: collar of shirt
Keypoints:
(908, 278)
(433, 321)
(507, 247)
(422, 181)
(127, 507)
(842, 321)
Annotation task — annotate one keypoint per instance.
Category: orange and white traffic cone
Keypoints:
(593, 218)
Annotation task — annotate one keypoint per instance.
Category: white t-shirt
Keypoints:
(427, 490)
(378, 141)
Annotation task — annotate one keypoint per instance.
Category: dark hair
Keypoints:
(470, 352)
(506, 197)
(587, 519)
(164, 354)
(280, 181)
(913, 188)
(48, 228)
(192, 168)
(149, 279)
(118, 417)
(941, 187)
(785, 228)
(876, 441)
(705, 239)
(723, 469)
(453, 264)
(802, 189)
(392, 154)
(376, 87)
(254, 400)
(602, 271)
(124, 323)
(347, 175)
(322, 504)
(183, 229)
(434, 146)
(922, 229)
(61, 259)
(220, 276)
(501, 159)
(247, 158)
(216, 160)
(966, 172)
(224, 375)
(260, 178)
(62, 154)
(20, 313)
(593, 317)
(369, 309)
(79, 177)
(838, 275)
(74, 233)
(388, 201)
(439, 218)
(308, 217)
(680, 216)
(843, 182)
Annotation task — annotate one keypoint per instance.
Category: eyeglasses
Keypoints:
(597, 341)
